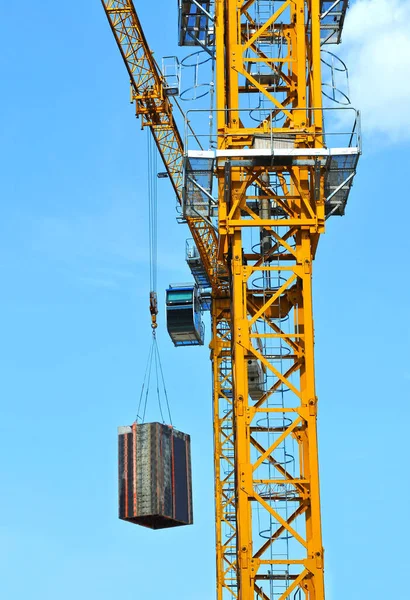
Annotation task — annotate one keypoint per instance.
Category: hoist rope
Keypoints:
(161, 379)
(154, 358)
(152, 211)
(153, 368)
(145, 387)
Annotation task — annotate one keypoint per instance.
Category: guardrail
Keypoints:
(341, 129)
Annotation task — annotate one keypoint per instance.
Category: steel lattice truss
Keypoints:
(274, 514)
(271, 215)
(226, 542)
(156, 112)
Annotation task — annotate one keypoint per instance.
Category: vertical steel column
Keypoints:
(240, 343)
(224, 451)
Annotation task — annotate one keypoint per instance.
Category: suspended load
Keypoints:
(154, 476)
(184, 321)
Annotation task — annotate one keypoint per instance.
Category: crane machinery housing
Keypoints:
(256, 173)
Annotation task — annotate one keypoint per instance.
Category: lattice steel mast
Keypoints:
(278, 179)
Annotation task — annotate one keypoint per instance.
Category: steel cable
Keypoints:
(154, 360)
(152, 212)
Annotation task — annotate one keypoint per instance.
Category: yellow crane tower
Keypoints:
(279, 175)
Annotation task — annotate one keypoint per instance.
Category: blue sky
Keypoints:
(75, 334)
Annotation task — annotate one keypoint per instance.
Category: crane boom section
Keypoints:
(155, 109)
(147, 84)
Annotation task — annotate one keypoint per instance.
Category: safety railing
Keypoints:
(341, 128)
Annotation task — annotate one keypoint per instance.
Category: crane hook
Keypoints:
(153, 308)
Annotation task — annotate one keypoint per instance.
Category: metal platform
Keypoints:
(340, 167)
(337, 152)
(197, 200)
(340, 171)
(197, 268)
(195, 23)
(332, 16)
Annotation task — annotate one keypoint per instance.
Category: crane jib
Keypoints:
(155, 110)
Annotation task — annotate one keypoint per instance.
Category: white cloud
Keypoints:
(377, 51)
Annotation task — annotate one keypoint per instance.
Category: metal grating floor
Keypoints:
(340, 171)
(197, 198)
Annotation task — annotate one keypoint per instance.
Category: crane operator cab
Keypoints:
(184, 321)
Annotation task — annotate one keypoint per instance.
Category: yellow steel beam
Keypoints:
(224, 455)
(148, 91)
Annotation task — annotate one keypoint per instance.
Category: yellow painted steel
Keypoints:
(154, 108)
(225, 510)
(283, 558)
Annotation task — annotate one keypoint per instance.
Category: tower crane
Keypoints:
(280, 166)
